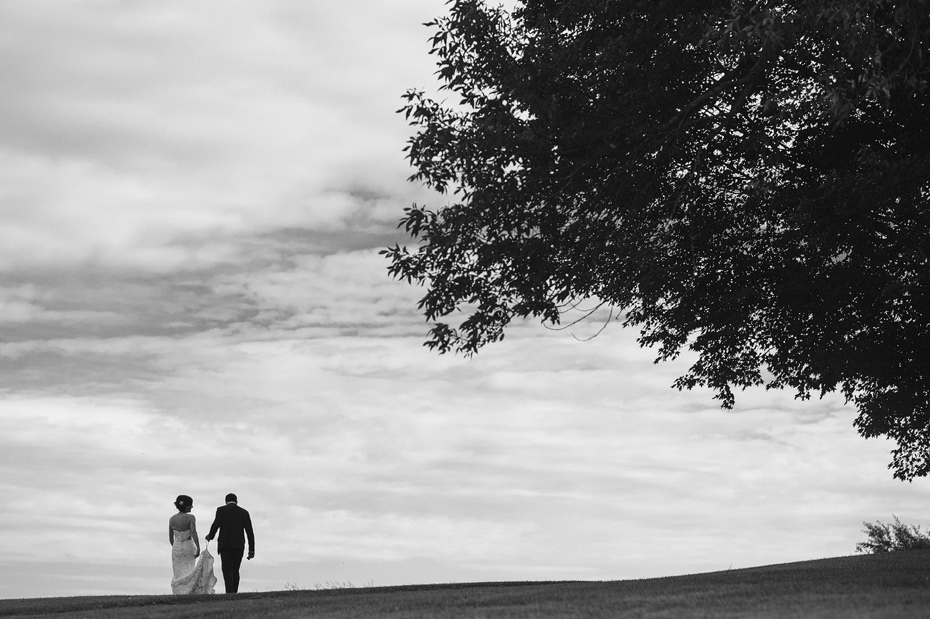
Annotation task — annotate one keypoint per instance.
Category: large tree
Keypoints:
(748, 180)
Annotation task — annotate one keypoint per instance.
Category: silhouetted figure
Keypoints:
(234, 525)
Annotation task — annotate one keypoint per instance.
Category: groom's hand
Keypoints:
(251, 554)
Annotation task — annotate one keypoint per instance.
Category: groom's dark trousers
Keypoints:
(231, 558)
(234, 525)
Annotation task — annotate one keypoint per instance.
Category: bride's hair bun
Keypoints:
(183, 503)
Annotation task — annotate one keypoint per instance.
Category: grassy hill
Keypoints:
(890, 586)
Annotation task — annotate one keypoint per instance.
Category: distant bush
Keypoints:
(890, 537)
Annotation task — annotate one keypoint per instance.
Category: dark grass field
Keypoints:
(889, 586)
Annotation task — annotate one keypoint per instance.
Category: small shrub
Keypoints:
(891, 537)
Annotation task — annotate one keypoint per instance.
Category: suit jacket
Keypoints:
(232, 521)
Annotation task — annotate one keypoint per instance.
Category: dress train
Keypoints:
(190, 576)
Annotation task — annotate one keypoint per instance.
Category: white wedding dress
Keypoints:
(190, 576)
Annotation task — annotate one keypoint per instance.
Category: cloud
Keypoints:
(134, 134)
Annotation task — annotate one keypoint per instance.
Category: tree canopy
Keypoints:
(747, 180)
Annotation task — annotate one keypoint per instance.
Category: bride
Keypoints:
(190, 576)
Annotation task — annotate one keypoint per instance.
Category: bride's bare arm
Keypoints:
(194, 534)
(170, 534)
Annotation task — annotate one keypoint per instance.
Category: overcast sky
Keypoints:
(193, 195)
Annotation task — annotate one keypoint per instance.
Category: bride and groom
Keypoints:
(196, 576)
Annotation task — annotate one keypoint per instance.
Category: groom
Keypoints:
(232, 521)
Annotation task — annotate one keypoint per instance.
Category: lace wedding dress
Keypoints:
(190, 576)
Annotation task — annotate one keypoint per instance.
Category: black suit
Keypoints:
(234, 524)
